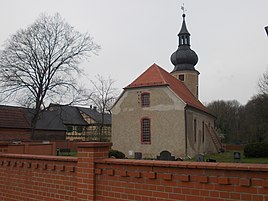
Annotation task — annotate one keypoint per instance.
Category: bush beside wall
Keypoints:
(257, 150)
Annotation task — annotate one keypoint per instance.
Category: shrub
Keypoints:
(256, 150)
(116, 154)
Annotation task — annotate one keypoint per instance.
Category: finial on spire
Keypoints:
(183, 10)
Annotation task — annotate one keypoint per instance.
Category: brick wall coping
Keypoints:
(93, 144)
(29, 144)
(39, 157)
(182, 164)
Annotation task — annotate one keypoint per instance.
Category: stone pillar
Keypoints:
(87, 153)
(53, 149)
(26, 148)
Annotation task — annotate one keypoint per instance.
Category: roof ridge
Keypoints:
(160, 70)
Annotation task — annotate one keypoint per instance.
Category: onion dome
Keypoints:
(184, 58)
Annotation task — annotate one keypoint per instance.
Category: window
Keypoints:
(185, 40)
(145, 99)
(69, 129)
(181, 77)
(181, 41)
(145, 131)
(195, 130)
(79, 129)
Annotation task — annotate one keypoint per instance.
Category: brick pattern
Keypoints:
(87, 154)
(170, 181)
(122, 180)
(32, 177)
(29, 148)
(232, 147)
(92, 176)
(15, 134)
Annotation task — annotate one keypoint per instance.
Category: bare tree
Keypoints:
(41, 62)
(263, 83)
(103, 96)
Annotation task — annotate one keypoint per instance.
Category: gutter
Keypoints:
(200, 111)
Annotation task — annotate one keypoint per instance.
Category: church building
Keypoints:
(160, 111)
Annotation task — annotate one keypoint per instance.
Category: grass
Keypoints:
(228, 157)
(225, 157)
(72, 153)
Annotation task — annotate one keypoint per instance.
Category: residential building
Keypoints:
(82, 123)
(57, 122)
(14, 124)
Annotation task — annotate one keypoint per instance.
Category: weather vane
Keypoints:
(183, 8)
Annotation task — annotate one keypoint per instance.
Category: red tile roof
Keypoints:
(13, 117)
(157, 76)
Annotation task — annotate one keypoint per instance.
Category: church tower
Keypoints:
(184, 59)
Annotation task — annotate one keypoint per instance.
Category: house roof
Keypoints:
(57, 116)
(13, 117)
(69, 115)
(157, 76)
(54, 118)
(50, 120)
(94, 114)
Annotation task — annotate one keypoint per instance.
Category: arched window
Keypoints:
(185, 40)
(145, 99)
(145, 131)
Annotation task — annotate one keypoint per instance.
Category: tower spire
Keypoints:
(184, 35)
(184, 59)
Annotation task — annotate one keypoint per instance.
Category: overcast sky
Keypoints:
(228, 36)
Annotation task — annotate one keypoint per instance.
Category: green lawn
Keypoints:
(228, 157)
(72, 153)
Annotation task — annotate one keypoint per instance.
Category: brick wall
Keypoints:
(7, 134)
(67, 144)
(49, 135)
(11, 134)
(34, 148)
(32, 177)
(3, 148)
(156, 180)
(233, 147)
(93, 176)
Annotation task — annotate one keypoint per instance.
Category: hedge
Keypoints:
(116, 154)
(257, 150)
